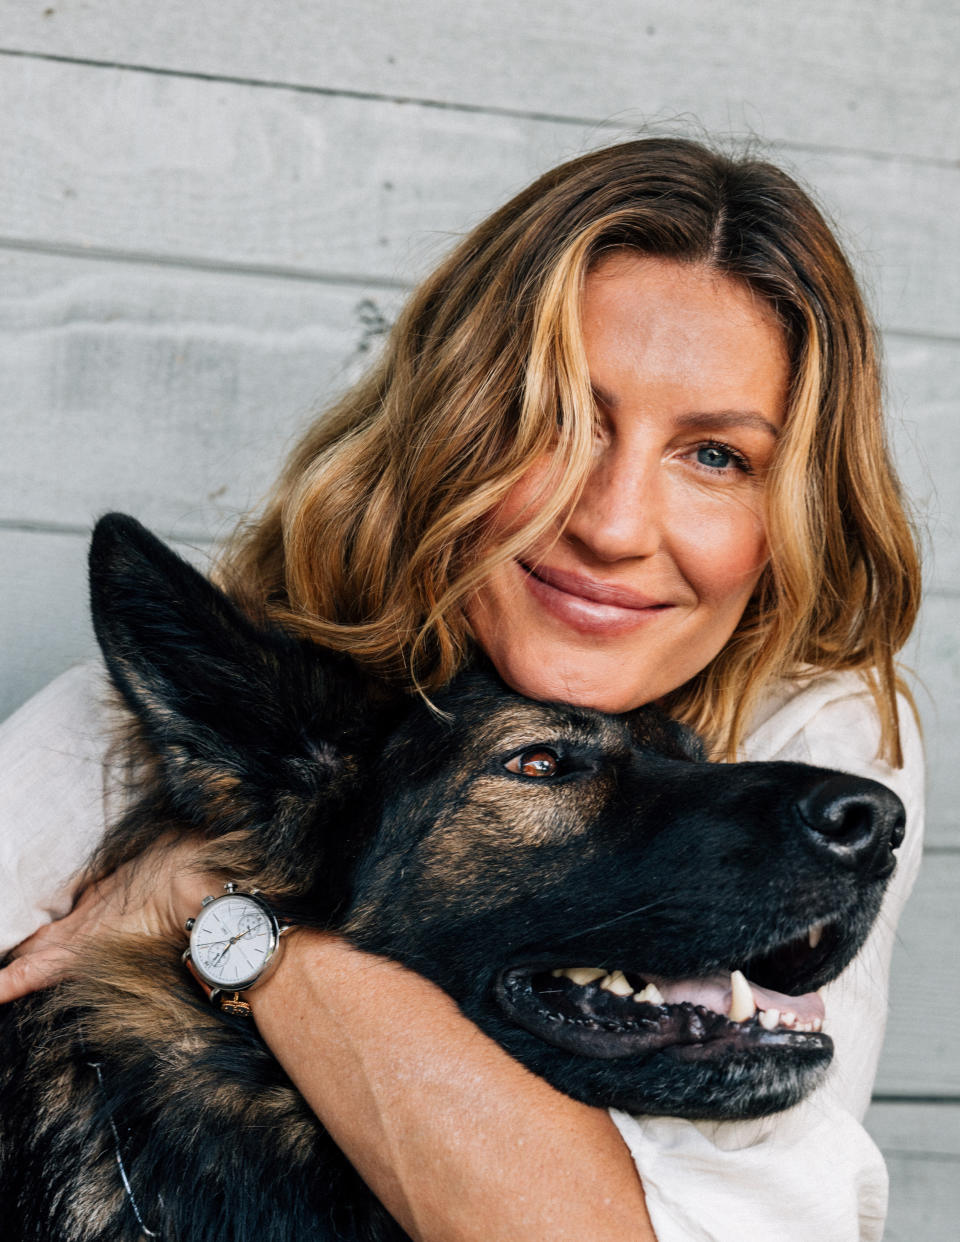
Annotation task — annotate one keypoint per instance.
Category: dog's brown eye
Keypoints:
(537, 761)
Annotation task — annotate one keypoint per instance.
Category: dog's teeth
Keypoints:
(788, 1018)
(742, 1004)
(816, 1024)
(650, 995)
(617, 984)
(814, 935)
(768, 1018)
(581, 975)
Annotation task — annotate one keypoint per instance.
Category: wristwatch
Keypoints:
(234, 944)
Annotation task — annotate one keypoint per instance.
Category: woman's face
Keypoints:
(650, 576)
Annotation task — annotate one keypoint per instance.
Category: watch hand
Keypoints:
(227, 944)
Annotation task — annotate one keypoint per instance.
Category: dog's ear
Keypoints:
(249, 725)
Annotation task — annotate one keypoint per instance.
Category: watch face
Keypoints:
(232, 940)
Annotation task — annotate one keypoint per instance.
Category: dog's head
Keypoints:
(583, 885)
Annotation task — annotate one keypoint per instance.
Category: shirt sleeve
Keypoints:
(54, 794)
(812, 1171)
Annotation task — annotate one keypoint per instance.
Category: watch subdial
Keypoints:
(251, 922)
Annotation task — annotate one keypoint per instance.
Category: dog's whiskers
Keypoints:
(618, 918)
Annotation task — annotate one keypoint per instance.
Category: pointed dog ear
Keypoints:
(250, 726)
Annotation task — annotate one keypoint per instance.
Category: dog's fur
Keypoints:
(402, 825)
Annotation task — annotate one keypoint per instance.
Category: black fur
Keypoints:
(402, 826)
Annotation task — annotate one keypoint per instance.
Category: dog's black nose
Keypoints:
(857, 822)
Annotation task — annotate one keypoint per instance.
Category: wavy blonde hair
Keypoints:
(377, 533)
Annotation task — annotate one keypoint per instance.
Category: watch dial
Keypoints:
(231, 941)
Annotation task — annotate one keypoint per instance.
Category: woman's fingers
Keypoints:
(149, 897)
(39, 962)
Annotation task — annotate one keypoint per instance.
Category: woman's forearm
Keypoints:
(458, 1141)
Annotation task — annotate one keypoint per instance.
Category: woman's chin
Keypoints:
(576, 687)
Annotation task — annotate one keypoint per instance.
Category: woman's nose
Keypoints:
(619, 514)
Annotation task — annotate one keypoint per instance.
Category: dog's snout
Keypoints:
(858, 823)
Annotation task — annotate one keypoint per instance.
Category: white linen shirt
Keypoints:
(810, 1172)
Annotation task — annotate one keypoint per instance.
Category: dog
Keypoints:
(582, 885)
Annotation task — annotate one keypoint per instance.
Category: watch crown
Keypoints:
(206, 901)
(189, 924)
(230, 886)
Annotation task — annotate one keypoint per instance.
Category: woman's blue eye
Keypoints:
(713, 455)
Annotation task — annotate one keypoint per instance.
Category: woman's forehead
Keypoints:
(702, 338)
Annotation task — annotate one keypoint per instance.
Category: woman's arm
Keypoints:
(459, 1141)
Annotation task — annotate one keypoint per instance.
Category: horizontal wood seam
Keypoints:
(27, 526)
(614, 124)
(315, 276)
(220, 266)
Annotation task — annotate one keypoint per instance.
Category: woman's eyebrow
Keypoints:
(705, 419)
(728, 418)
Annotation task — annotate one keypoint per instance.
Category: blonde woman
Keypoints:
(627, 439)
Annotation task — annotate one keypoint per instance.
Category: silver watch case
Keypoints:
(229, 908)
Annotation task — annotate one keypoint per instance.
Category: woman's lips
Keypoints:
(587, 605)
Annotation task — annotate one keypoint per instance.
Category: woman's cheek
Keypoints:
(524, 500)
(722, 546)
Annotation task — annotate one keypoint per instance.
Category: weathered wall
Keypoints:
(206, 212)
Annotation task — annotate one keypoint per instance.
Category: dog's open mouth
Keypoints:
(619, 1013)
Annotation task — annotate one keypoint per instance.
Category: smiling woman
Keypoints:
(626, 442)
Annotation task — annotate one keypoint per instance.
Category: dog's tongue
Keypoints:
(714, 993)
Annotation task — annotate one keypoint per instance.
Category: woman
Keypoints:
(628, 440)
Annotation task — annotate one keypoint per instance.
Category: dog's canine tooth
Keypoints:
(742, 1005)
(769, 1018)
(581, 975)
(814, 935)
(617, 984)
(650, 995)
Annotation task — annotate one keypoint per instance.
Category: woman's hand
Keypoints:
(151, 897)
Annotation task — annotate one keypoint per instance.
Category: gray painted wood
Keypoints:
(44, 610)
(921, 1144)
(923, 403)
(863, 74)
(934, 654)
(920, 1054)
(210, 172)
(44, 626)
(173, 395)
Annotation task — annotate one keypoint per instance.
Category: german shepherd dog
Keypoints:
(581, 885)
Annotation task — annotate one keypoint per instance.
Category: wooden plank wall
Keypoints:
(207, 213)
